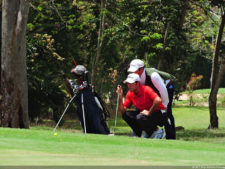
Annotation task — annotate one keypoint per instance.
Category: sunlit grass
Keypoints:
(36, 147)
(195, 145)
(201, 97)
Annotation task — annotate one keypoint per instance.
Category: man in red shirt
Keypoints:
(149, 105)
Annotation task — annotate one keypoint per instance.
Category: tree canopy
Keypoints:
(178, 37)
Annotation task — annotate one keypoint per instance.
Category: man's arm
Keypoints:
(161, 87)
(119, 91)
(155, 105)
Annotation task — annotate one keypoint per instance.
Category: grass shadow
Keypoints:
(208, 135)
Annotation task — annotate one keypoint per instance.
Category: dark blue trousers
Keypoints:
(170, 126)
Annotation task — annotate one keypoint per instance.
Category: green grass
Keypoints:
(195, 145)
(201, 97)
(195, 121)
(206, 91)
(196, 117)
(40, 147)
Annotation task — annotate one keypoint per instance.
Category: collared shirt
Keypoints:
(143, 100)
(143, 78)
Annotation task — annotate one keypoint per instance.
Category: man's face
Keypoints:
(139, 71)
(132, 86)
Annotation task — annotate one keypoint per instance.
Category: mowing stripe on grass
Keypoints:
(40, 147)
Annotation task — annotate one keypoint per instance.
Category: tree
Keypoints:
(99, 43)
(14, 105)
(218, 69)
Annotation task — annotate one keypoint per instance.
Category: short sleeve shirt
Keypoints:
(143, 100)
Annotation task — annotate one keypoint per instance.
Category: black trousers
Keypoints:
(139, 122)
(170, 126)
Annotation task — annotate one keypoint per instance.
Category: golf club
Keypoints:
(82, 102)
(117, 106)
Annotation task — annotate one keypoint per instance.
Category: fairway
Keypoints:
(40, 147)
(195, 145)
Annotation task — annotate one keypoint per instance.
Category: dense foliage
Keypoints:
(174, 36)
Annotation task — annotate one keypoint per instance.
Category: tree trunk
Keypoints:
(14, 90)
(185, 6)
(99, 44)
(216, 77)
(162, 56)
(162, 62)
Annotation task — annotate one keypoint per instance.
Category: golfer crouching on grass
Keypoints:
(148, 114)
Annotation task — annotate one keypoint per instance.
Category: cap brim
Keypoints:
(128, 81)
(132, 69)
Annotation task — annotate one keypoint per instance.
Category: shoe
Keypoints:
(134, 134)
(164, 134)
(146, 135)
(159, 134)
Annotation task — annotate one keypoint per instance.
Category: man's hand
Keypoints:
(119, 91)
(145, 112)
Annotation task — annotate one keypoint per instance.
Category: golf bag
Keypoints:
(91, 112)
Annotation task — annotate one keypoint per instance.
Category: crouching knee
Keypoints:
(125, 116)
(141, 117)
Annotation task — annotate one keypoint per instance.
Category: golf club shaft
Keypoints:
(84, 121)
(64, 112)
(117, 106)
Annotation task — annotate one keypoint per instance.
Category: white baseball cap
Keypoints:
(131, 78)
(135, 65)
